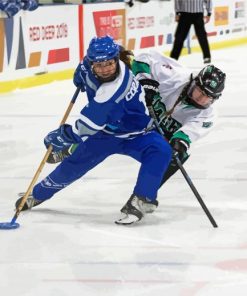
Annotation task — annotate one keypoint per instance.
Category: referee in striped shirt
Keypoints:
(191, 12)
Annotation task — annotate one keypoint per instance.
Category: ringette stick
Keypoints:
(13, 224)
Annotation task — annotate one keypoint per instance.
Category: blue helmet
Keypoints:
(102, 49)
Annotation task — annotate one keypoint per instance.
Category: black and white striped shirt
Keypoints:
(193, 6)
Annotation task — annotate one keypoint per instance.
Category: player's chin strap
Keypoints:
(186, 176)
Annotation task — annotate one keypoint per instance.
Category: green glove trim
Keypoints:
(181, 135)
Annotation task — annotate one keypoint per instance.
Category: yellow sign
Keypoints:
(221, 15)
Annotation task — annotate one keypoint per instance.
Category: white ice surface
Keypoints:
(69, 246)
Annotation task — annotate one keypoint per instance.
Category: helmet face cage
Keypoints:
(102, 49)
(211, 81)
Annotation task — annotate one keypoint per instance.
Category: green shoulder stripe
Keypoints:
(140, 67)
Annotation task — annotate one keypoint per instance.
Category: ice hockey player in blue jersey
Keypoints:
(182, 101)
(115, 121)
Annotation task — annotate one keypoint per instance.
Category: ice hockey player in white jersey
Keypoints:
(115, 121)
(182, 102)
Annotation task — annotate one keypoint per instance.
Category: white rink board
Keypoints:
(46, 29)
(154, 20)
(228, 21)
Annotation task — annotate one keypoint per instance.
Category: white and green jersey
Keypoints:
(173, 78)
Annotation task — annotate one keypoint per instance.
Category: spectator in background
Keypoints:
(12, 7)
(191, 12)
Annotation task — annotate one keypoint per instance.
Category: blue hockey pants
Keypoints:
(150, 149)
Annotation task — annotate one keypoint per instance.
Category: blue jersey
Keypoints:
(117, 107)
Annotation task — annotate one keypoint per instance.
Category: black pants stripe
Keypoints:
(183, 27)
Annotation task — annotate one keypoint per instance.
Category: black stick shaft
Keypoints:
(197, 195)
(186, 176)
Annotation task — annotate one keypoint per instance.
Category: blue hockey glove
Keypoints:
(78, 79)
(29, 4)
(10, 7)
(61, 138)
(151, 88)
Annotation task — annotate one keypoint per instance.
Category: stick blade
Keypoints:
(9, 225)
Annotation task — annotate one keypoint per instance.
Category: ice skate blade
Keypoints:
(9, 225)
(127, 220)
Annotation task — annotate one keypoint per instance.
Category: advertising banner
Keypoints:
(38, 42)
(150, 25)
(53, 38)
(102, 19)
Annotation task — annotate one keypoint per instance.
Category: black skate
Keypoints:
(135, 208)
(30, 202)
